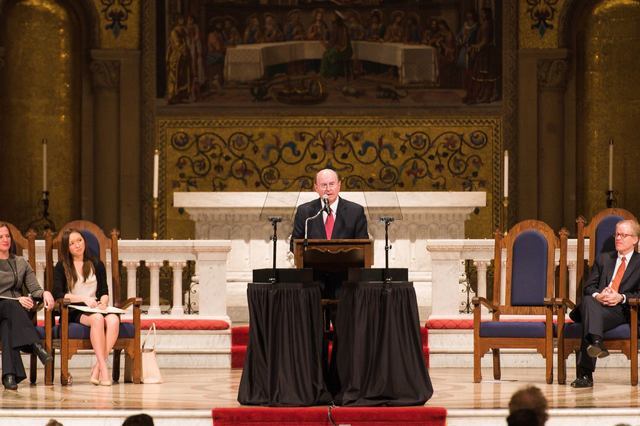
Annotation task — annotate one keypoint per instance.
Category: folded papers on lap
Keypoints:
(109, 310)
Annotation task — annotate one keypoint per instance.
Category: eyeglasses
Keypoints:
(328, 185)
(621, 235)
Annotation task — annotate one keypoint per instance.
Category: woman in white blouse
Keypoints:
(83, 280)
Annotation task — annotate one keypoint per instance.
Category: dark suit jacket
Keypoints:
(350, 221)
(602, 273)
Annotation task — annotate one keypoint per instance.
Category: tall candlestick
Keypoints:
(156, 165)
(506, 174)
(611, 164)
(44, 165)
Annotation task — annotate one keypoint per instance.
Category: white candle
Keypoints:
(156, 165)
(44, 165)
(506, 174)
(610, 164)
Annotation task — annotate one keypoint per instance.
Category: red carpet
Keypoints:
(380, 416)
(240, 339)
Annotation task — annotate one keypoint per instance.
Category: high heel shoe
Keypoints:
(95, 380)
(106, 382)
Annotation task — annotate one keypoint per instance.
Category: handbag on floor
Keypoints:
(150, 369)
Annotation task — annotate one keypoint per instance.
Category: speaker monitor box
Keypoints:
(283, 275)
(377, 274)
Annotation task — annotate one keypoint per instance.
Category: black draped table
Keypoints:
(378, 350)
(283, 365)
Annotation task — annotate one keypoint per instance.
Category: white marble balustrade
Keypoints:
(210, 258)
(447, 266)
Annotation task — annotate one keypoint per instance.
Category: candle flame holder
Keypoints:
(612, 201)
(43, 222)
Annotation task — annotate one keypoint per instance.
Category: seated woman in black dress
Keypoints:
(16, 329)
(83, 280)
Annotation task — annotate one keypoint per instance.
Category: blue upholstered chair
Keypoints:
(529, 292)
(21, 243)
(71, 337)
(624, 337)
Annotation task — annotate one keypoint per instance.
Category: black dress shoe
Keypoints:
(42, 354)
(9, 382)
(597, 349)
(585, 381)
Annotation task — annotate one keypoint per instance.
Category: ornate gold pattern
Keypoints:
(240, 154)
(531, 14)
(127, 35)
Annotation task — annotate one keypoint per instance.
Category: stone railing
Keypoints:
(210, 257)
(447, 267)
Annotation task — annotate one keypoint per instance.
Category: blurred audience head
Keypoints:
(528, 406)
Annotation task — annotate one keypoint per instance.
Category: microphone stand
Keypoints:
(305, 244)
(274, 222)
(386, 220)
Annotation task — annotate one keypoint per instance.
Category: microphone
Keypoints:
(325, 203)
(325, 207)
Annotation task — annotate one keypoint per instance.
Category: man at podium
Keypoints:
(340, 219)
(346, 220)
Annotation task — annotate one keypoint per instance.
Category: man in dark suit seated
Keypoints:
(614, 278)
(346, 221)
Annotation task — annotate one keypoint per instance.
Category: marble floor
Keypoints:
(203, 389)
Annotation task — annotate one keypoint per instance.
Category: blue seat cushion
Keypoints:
(40, 331)
(79, 331)
(515, 329)
(574, 331)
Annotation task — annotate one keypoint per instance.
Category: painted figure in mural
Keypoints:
(215, 54)
(293, 29)
(230, 32)
(482, 86)
(179, 71)
(445, 43)
(17, 331)
(376, 29)
(253, 32)
(272, 30)
(466, 38)
(354, 23)
(430, 34)
(194, 41)
(395, 31)
(338, 48)
(318, 30)
(412, 33)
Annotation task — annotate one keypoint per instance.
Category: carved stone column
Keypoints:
(551, 76)
(154, 292)
(106, 84)
(177, 308)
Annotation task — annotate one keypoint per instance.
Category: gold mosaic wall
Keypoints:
(371, 154)
(40, 58)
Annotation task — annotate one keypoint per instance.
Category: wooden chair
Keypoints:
(71, 337)
(530, 287)
(624, 337)
(28, 242)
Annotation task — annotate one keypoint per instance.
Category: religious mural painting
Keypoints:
(351, 54)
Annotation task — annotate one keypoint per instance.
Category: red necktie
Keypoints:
(615, 284)
(328, 225)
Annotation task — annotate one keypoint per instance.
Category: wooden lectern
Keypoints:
(333, 255)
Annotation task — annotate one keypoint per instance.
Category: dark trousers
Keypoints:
(16, 332)
(596, 320)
